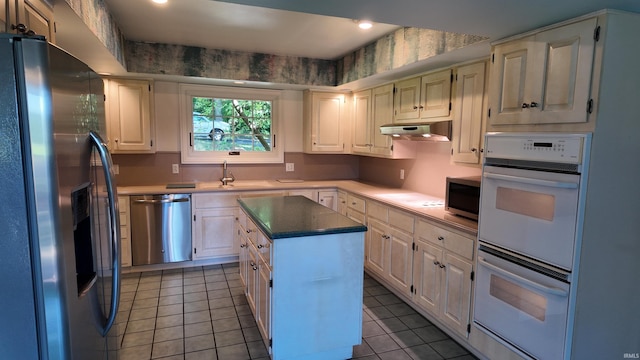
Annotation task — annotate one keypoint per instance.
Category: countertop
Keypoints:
(410, 201)
(296, 216)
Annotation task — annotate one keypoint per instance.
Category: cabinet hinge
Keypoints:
(473, 274)
(449, 106)
(468, 328)
(149, 87)
(596, 33)
(271, 283)
(413, 246)
(451, 151)
(194, 218)
(489, 112)
(55, 27)
(411, 289)
(590, 106)
(395, 89)
(270, 342)
(195, 250)
(493, 58)
(391, 147)
(151, 143)
(452, 77)
(104, 98)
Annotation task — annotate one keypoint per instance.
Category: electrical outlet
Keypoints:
(116, 169)
(175, 168)
(401, 174)
(290, 167)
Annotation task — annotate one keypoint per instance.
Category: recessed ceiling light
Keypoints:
(160, 1)
(365, 24)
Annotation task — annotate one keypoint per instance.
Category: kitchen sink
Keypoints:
(238, 184)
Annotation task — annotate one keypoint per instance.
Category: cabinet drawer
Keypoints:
(263, 244)
(212, 200)
(378, 211)
(356, 203)
(401, 220)
(451, 241)
(251, 230)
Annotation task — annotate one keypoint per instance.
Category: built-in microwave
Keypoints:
(463, 196)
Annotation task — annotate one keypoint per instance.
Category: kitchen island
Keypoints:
(302, 266)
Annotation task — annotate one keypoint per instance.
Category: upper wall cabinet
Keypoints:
(425, 98)
(129, 118)
(325, 122)
(468, 113)
(371, 109)
(20, 16)
(544, 78)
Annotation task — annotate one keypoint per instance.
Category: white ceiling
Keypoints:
(221, 25)
(322, 29)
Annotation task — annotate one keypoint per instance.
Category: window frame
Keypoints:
(188, 156)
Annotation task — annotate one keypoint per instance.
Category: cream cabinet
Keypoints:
(328, 198)
(544, 78)
(214, 225)
(389, 250)
(372, 109)
(342, 203)
(325, 122)
(442, 266)
(129, 115)
(125, 230)
(469, 113)
(21, 16)
(425, 98)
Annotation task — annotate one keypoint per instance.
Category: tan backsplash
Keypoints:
(427, 173)
(155, 169)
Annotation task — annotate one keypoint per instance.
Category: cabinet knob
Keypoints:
(533, 104)
(252, 264)
(440, 238)
(525, 105)
(442, 266)
(474, 149)
(242, 245)
(420, 107)
(255, 268)
(415, 107)
(436, 262)
(260, 246)
(248, 231)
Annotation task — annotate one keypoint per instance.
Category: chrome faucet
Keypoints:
(226, 177)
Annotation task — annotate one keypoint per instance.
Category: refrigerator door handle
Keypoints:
(114, 217)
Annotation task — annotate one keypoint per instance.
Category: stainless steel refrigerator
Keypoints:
(59, 227)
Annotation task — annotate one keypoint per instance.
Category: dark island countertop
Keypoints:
(296, 216)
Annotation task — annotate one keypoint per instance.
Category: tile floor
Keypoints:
(202, 313)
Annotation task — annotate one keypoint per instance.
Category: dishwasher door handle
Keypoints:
(163, 201)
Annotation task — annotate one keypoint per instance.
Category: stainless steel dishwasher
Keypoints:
(160, 228)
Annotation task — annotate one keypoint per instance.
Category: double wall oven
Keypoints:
(531, 208)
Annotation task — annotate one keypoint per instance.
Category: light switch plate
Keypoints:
(290, 167)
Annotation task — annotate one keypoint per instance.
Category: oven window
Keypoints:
(520, 298)
(526, 203)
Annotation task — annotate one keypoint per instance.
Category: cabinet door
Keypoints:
(427, 275)
(252, 277)
(564, 79)
(215, 233)
(38, 16)
(125, 231)
(407, 100)
(243, 256)
(382, 108)
(129, 116)
(400, 261)
(342, 203)
(377, 247)
(263, 317)
(326, 122)
(362, 122)
(435, 95)
(456, 292)
(328, 198)
(510, 71)
(467, 121)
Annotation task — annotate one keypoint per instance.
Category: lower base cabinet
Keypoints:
(442, 266)
(125, 231)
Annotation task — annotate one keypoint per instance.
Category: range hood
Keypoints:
(435, 131)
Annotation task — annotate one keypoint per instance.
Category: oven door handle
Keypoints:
(533, 284)
(530, 181)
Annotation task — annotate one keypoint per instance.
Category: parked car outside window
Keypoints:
(217, 128)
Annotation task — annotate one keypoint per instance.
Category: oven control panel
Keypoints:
(561, 148)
